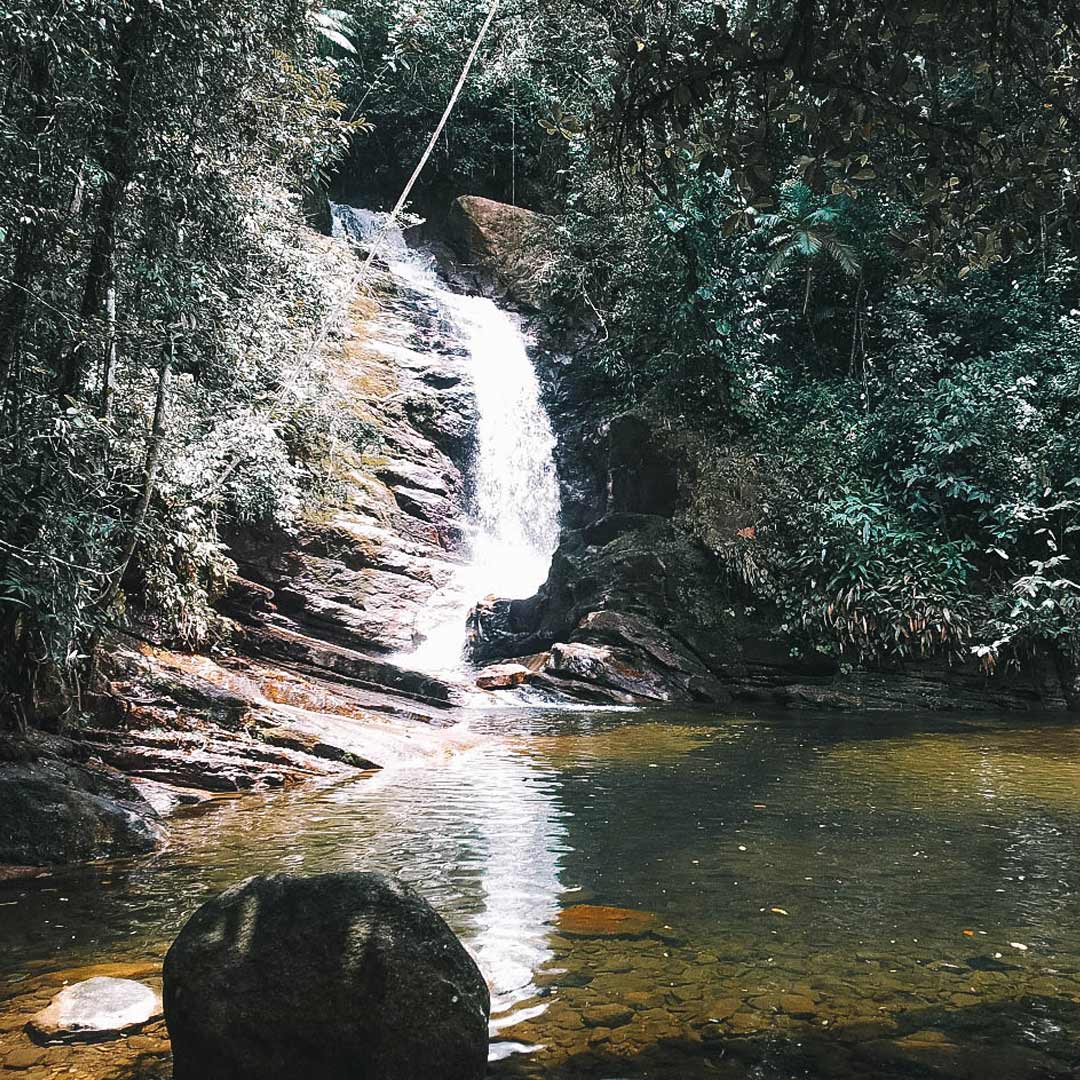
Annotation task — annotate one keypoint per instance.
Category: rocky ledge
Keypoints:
(309, 688)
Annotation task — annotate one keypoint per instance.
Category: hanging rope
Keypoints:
(407, 190)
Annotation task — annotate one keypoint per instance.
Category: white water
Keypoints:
(515, 515)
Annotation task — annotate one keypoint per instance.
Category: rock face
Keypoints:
(52, 811)
(506, 243)
(98, 1008)
(338, 976)
(630, 612)
(361, 574)
(642, 479)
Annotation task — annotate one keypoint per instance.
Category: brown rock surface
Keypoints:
(508, 243)
(596, 920)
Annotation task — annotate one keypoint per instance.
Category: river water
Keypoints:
(856, 896)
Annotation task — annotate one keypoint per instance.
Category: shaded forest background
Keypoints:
(829, 246)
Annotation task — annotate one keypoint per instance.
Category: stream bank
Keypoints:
(315, 683)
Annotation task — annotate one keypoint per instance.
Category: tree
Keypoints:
(968, 112)
(145, 275)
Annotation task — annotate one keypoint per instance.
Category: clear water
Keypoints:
(834, 897)
(515, 512)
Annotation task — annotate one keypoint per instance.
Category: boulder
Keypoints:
(502, 676)
(347, 976)
(54, 812)
(506, 243)
(617, 675)
(95, 1009)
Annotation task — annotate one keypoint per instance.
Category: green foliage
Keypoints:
(913, 447)
(967, 111)
(507, 137)
(156, 313)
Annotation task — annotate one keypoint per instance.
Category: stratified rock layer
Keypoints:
(337, 976)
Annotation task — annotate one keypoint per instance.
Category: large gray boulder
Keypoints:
(508, 244)
(336, 976)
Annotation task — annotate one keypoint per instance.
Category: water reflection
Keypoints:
(838, 897)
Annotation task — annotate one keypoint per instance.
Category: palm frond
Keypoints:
(809, 243)
(780, 259)
(844, 255)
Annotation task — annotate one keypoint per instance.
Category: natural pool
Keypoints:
(854, 896)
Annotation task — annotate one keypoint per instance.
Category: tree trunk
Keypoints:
(150, 469)
(118, 159)
(28, 243)
(108, 369)
(13, 309)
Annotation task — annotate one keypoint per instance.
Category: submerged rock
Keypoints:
(610, 1015)
(598, 920)
(98, 1008)
(335, 976)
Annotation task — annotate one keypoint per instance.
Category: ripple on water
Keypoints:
(834, 898)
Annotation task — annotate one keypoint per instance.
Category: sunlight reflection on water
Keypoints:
(853, 863)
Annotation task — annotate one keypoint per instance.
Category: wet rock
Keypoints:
(623, 599)
(448, 418)
(211, 764)
(310, 744)
(797, 1005)
(642, 478)
(624, 675)
(722, 1008)
(330, 660)
(96, 1009)
(596, 920)
(502, 676)
(425, 505)
(52, 812)
(333, 976)
(745, 1022)
(611, 1015)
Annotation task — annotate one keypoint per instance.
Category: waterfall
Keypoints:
(515, 511)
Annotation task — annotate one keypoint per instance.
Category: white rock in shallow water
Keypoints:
(98, 1008)
(502, 676)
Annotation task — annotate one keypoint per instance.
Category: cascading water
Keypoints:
(515, 512)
